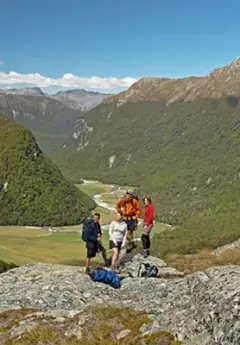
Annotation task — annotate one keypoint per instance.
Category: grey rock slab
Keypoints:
(233, 245)
(202, 308)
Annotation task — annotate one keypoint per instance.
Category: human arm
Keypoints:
(99, 232)
(110, 231)
(125, 237)
(137, 208)
(119, 205)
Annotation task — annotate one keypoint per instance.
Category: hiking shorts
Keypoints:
(92, 249)
(113, 245)
(131, 224)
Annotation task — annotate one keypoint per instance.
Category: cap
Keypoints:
(129, 192)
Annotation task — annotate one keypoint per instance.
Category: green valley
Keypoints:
(185, 154)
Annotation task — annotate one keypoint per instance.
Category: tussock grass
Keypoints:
(203, 260)
(4, 266)
(98, 326)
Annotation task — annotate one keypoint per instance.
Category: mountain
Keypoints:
(27, 91)
(222, 82)
(79, 99)
(32, 189)
(183, 153)
(51, 121)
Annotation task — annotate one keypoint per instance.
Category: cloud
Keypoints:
(68, 80)
(2, 62)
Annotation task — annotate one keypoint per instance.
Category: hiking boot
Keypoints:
(87, 270)
(130, 247)
(145, 254)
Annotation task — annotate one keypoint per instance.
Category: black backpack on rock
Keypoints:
(147, 270)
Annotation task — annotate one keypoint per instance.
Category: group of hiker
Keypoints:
(121, 230)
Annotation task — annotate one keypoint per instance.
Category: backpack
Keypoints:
(148, 270)
(135, 196)
(84, 227)
(108, 277)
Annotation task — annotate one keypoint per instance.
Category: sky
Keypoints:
(107, 45)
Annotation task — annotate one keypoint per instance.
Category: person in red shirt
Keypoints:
(147, 226)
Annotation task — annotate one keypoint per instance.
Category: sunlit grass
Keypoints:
(22, 245)
(95, 188)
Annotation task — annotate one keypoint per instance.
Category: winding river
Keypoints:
(98, 199)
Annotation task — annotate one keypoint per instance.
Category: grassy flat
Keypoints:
(94, 188)
(57, 248)
(29, 244)
(21, 231)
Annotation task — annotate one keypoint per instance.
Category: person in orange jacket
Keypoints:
(131, 210)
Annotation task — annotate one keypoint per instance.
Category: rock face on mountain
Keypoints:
(200, 309)
(222, 82)
(51, 121)
(79, 99)
(27, 91)
(32, 189)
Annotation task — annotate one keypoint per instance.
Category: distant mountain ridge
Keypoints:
(50, 120)
(27, 91)
(219, 83)
(79, 99)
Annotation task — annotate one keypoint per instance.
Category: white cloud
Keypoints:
(2, 62)
(68, 80)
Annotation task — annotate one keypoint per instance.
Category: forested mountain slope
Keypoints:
(186, 155)
(32, 189)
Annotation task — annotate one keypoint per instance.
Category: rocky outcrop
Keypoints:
(80, 132)
(200, 309)
(131, 262)
(235, 244)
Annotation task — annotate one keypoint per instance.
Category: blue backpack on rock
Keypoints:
(104, 276)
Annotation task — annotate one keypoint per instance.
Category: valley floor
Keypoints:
(63, 245)
(60, 245)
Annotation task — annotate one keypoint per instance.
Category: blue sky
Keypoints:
(118, 39)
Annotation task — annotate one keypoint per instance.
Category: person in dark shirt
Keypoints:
(93, 242)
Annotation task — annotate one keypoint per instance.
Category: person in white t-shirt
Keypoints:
(117, 237)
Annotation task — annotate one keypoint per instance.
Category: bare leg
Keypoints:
(104, 255)
(115, 257)
(130, 235)
(87, 264)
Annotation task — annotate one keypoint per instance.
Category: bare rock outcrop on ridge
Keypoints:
(200, 309)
